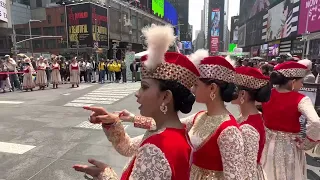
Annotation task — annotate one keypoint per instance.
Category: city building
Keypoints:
(234, 29)
(49, 19)
(206, 22)
(217, 38)
(272, 29)
(5, 27)
(226, 35)
(182, 7)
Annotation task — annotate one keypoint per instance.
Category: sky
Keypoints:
(195, 7)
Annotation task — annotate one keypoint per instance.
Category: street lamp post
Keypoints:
(30, 33)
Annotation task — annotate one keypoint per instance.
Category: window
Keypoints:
(60, 30)
(134, 22)
(62, 18)
(115, 20)
(50, 44)
(37, 44)
(139, 23)
(49, 19)
(62, 44)
(36, 31)
(39, 3)
(50, 31)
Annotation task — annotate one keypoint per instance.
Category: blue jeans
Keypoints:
(102, 76)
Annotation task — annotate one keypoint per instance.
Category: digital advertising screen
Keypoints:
(215, 30)
(187, 44)
(170, 13)
(87, 23)
(158, 7)
(273, 50)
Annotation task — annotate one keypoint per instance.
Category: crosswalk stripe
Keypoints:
(100, 95)
(92, 101)
(71, 104)
(11, 102)
(99, 98)
(107, 94)
(15, 148)
(113, 93)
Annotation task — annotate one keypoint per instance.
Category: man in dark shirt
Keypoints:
(134, 68)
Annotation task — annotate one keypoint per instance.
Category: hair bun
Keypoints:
(263, 94)
(187, 103)
(229, 93)
(277, 78)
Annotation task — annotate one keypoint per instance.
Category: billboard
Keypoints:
(87, 26)
(249, 8)
(313, 20)
(3, 11)
(254, 30)
(281, 21)
(234, 29)
(215, 30)
(242, 36)
(273, 48)
(158, 7)
(170, 13)
(187, 44)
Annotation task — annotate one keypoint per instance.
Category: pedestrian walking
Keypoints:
(134, 68)
(124, 71)
(102, 71)
(12, 68)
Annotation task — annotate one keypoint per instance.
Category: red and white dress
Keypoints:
(28, 82)
(152, 159)
(254, 137)
(284, 154)
(74, 74)
(217, 141)
(55, 74)
(41, 79)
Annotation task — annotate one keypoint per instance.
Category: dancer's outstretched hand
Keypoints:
(94, 171)
(100, 115)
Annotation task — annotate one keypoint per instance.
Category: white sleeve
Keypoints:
(306, 108)
(151, 164)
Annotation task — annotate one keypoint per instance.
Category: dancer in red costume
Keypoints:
(164, 153)
(215, 134)
(254, 87)
(284, 152)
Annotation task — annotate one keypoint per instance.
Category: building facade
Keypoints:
(126, 22)
(182, 7)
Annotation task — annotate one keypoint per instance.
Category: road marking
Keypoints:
(11, 102)
(15, 148)
(105, 95)
(88, 125)
(72, 104)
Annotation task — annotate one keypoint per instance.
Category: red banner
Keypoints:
(214, 44)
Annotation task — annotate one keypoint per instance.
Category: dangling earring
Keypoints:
(241, 100)
(212, 96)
(163, 108)
(292, 88)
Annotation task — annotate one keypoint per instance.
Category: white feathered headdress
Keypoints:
(158, 39)
(198, 56)
(230, 60)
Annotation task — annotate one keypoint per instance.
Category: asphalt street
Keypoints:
(44, 133)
